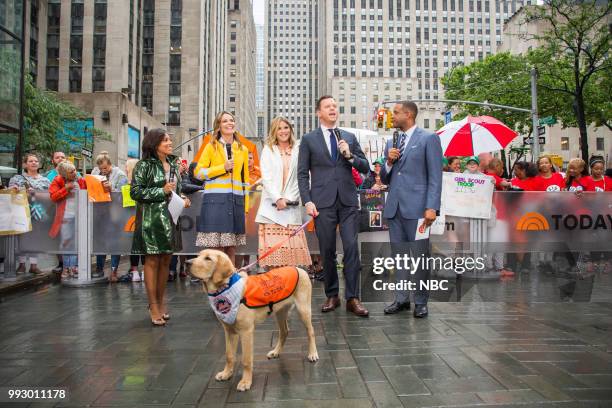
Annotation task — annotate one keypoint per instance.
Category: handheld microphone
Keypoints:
(228, 149)
(172, 175)
(395, 139)
(289, 203)
(337, 134)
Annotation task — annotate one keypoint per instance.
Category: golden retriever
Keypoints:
(215, 269)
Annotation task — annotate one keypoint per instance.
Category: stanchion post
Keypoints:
(10, 249)
(84, 237)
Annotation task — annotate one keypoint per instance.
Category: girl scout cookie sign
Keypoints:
(467, 195)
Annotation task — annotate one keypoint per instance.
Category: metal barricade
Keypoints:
(523, 222)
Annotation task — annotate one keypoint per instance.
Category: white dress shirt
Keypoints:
(326, 132)
(408, 134)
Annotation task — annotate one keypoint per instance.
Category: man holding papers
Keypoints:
(413, 172)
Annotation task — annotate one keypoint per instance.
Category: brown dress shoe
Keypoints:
(330, 304)
(354, 306)
(35, 270)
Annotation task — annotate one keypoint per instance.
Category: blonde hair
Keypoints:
(129, 168)
(103, 157)
(216, 135)
(64, 168)
(274, 126)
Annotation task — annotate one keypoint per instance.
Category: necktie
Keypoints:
(333, 144)
(402, 144)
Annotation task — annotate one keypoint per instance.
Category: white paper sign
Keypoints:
(467, 195)
(15, 213)
(439, 225)
(421, 233)
(176, 207)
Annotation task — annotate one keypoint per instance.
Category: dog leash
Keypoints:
(276, 247)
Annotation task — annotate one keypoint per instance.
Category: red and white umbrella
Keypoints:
(474, 135)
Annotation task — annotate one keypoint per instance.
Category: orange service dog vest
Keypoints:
(271, 287)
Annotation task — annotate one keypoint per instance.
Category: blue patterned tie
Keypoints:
(402, 144)
(333, 143)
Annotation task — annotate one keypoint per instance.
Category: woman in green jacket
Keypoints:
(156, 236)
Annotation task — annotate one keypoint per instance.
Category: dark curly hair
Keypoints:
(151, 141)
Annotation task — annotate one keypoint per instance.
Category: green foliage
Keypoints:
(573, 63)
(44, 117)
(499, 79)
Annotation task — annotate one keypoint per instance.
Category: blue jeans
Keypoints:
(101, 259)
(67, 242)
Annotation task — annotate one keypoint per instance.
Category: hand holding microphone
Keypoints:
(229, 163)
(393, 154)
(343, 146)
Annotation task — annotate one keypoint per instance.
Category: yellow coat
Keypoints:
(211, 169)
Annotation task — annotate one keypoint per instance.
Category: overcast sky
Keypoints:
(259, 11)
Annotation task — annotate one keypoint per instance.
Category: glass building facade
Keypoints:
(11, 81)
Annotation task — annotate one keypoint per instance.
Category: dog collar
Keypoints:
(233, 279)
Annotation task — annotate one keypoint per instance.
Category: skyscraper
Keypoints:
(374, 50)
(291, 62)
(168, 56)
(240, 98)
(260, 81)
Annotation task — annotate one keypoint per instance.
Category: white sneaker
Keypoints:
(135, 276)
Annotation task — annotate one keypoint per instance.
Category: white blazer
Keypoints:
(271, 165)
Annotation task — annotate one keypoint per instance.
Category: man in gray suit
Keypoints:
(413, 172)
(326, 158)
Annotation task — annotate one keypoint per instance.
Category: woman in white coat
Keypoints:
(280, 213)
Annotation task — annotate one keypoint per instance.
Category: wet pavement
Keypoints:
(500, 346)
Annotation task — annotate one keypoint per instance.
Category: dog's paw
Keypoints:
(244, 385)
(273, 354)
(223, 375)
(313, 357)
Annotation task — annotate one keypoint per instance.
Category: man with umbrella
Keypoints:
(413, 172)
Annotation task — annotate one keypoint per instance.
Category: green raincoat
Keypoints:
(155, 233)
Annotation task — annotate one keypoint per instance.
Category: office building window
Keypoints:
(34, 40)
(76, 46)
(176, 32)
(600, 143)
(98, 71)
(53, 29)
(148, 43)
(564, 143)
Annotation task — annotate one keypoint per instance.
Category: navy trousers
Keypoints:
(401, 233)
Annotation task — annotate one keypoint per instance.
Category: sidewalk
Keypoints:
(513, 351)
(46, 263)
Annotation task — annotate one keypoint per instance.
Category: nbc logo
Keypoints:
(532, 221)
(130, 225)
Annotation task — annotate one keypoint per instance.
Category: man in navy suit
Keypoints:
(413, 172)
(326, 158)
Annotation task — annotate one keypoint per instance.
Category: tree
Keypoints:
(573, 58)
(45, 115)
(500, 79)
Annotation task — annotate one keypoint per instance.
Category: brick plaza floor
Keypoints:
(498, 347)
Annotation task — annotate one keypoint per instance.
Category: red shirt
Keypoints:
(584, 184)
(554, 183)
(605, 184)
(528, 184)
(498, 181)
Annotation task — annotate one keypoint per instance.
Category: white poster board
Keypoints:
(14, 212)
(467, 195)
